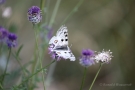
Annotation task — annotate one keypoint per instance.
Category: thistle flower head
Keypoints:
(54, 55)
(3, 34)
(12, 40)
(104, 57)
(86, 59)
(34, 14)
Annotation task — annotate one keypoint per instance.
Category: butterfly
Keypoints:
(58, 44)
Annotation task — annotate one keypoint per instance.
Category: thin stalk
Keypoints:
(1, 87)
(6, 66)
(39, 56)
(17, 58)
(54, 13)
(34, 65)
(21, 66)
(84, 75)
(73, 11)
(1, 45)
(42, 4)
(36, 73)
(101, 64)
(47, 13)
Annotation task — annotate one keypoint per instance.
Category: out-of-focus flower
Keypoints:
(103, 57)
(87, 59)
(12, 40)
(50, 32)
(7, 12)
(3, 34)
(34, 14)
(2, 1)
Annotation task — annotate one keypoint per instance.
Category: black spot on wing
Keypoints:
(62, 40)
(66, 39)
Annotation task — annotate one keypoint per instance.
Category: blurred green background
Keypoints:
(97, 25)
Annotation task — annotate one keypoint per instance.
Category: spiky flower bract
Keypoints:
(34, 14)
(103, 57)
(86, 59)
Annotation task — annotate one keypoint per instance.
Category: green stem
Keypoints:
(6, 66)
(21, 66)
(42, 4)
(73, 11)
(1, 45)
(34, 66)
(39, 56)
(84, 75)
(36, 73)
(47, 13)
(101, 64)
(1, 87)
(54, 13)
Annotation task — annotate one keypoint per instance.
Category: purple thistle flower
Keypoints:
(2, 1)
(3, 34)
(54, 55)
(12, 40)
(87, 59)
(34, 14)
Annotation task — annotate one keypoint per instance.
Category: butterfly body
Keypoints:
(59, 44)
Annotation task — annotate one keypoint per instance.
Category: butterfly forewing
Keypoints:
(62, 33)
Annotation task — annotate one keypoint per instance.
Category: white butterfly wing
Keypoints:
(52, 40)
(62, 34)
(66, 54)
(55, 42)
(61, 37)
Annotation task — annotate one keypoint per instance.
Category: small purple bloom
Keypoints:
(54, 55)
(87, 59)
(12, 40)
(34, 14)
(2, 1)
(3, 34)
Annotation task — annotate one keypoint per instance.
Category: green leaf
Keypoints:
(19, 49)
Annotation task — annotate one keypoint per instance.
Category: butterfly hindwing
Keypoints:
(66, 54)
